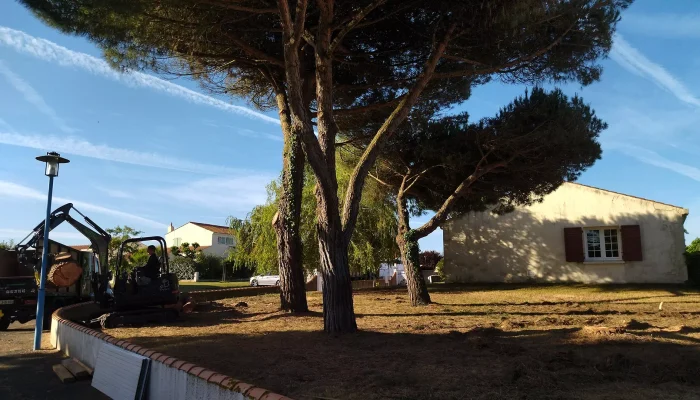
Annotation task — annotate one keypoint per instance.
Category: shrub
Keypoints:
(692, 260)
(209, 267)
(183, 267)
(439, 268)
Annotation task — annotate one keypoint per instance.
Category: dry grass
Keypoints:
(474, 342)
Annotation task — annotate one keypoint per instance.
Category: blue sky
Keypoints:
(146, 151)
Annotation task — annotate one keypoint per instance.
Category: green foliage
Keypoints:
(209, 266)
(119, 235)
(183, 267)
(692, 260)
(372, 243)
(440, 268)
(523, 153)
(7, 245)
(186, 250)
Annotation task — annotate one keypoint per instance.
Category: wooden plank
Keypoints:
(82, 364)
(63, 374)
(76, 369)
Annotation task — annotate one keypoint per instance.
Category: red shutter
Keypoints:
(631, 243)
(573, 244)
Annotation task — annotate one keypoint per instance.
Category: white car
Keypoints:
(265, 280)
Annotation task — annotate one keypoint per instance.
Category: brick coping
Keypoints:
(212, 377)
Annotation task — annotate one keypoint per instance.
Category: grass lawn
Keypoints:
(474, 342)
(192, 286)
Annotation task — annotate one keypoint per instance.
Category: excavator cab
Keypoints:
(138, 299)
(134, 290)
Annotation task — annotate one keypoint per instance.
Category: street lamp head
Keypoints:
(52, 160)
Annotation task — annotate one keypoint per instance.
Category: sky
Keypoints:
(147, 151)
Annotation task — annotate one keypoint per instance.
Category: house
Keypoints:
(212, 239)
(577, 233)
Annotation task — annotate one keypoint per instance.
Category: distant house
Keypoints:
(577, 234)
(212, 239)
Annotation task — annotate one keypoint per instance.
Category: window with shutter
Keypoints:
(602, 244)
(631, 243)
(573, 244)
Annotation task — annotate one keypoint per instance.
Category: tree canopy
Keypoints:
(351, 66)
(451, 166)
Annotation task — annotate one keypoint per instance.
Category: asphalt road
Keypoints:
(26, 374)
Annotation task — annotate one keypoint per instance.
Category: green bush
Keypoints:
(439, 268)
(209, 267)
(183, 267)
(692, 260)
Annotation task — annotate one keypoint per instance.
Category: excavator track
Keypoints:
(136, 317)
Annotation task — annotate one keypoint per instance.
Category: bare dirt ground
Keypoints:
(474, 342)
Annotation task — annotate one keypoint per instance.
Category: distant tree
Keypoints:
(694, 246)
(373, 241)
(451, 166)
(185, 249)
(7, 245)
(429, 259)
(119, 235)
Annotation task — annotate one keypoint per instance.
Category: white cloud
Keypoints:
(238, 194)
(243, 132)
(33, 97)
(7, 126)
(52, 52)
(72, 145)
(634, 61)
(653, 158)
(663, 25)
(116, 193)
(13, 190)
(19, 234)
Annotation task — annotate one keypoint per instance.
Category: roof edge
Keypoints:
(629, 195)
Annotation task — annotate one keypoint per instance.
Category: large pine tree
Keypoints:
(350, 65)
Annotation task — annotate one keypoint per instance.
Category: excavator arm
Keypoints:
(99, 240)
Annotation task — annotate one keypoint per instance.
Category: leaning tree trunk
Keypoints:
(288, 220)
(417, 289)
(407, 240)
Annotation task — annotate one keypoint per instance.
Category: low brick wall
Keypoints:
(170, 378)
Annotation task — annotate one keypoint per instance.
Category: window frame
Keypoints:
(220, 238)
(601, 232)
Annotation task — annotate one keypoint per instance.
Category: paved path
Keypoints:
(25, 374)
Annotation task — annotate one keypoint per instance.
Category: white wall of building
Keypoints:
(217, 244)
(528, 244)
(189, 233)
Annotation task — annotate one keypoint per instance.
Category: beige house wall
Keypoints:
(528, 244)
(190, 233)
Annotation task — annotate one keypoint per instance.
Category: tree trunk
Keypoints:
(417, 289)
(407, 240)
(338, 312)
(288, 220)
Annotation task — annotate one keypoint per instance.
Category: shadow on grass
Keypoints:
(481, 363)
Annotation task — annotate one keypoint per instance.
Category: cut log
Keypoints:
(82, 364)
(63, 374)
(76, 369)
(64, 273)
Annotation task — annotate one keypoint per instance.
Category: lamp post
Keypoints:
(53, 160)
